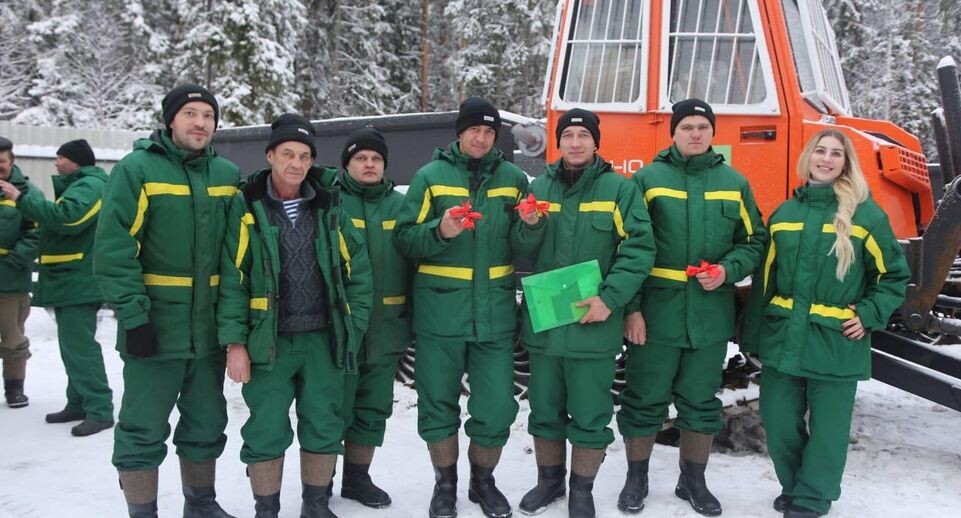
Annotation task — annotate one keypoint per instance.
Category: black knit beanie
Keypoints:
(364, 138)
(580, 117)
(79, 152)
(476, 111)
(292, 127)
(690, 107)
(6, 144)
(183, 94)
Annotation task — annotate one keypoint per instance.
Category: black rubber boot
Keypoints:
(692, 487)
(65, 416)
(631, 499)
(201, 502)
(550, 488)
(267, 506)
(148, 510)
(90, 427)
(483, 492)
(580, 502)
(13, 391)
(357, 485)
(316, 503)
(794, 511)
(443, 503)
(781, 502)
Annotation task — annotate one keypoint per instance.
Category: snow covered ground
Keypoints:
(905, 460)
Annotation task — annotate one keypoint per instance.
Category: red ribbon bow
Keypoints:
(465, 211)
(531, 204)
(711, 269)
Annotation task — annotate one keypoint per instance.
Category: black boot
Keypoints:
(781, 503)
(357, 485)
(631, 499)
(148, 510)
(692, 487)
(65, 416)
(550, 488)
(201, 502)
(265, 480)
(316, 503)
(580, 502)
(90, 427)
(267, 506)
(140, 491)
(13, 391)
(443, 503)
(484, 492)
(794, 511)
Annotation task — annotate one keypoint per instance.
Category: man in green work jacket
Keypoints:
(594, 214)
(372, 203)
(66, 281)
(465, 309)
(701, 210)
(157, 259)
(19, 243)
(294, 304)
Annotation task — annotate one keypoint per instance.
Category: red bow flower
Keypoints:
(531, 204)
(465, 211)
(711, 269)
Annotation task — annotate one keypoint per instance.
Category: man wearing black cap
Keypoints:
(294, 305)
(372, 204)
(157, 259)
(465, 309)
(66, 281)
(19, 244)
(704, 216)
(595, 214)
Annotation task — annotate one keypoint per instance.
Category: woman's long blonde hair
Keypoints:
(850, 188)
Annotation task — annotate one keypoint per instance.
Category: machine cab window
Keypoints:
(816, 56)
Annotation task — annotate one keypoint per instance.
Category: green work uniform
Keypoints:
(157, 260)
(794, 321)
(307, 366)
(369, 394)
(66, 283)
(19, 246)
(599, 215)
(465, 302)
(701, 210)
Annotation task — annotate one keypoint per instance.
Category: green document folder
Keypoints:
(551, 295)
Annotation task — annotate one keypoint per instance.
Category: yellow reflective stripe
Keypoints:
(619, 223)
(258, 303)
(222, 190)
(597, 206)
(767, 263)
(90, 213)
(509, 192)
(243, 240)
(791, 227)
(343, 251)
(359, 223)
(4, 251)
(389, 224)
(734, 196)
(214, 281)
(395, 301)
(454, 272)
(174, 189)
(869, 243)
(153, 279)
(496, 272)
(7, 203)
(783, 302)
(667, 273)
(817, 309)
(650, 194)
(555, 207)
(439, 190)
(60, 258)
(142, 204)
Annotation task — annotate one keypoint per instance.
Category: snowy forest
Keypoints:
(107, 63)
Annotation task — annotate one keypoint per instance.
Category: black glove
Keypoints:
(142, 341)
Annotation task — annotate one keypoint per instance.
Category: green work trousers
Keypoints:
(369, 400)
(14, 309)
(151, 389)
(808, 457)
(571, 399)
(87, 388)
(303, 371)
(660, 374)
(440, 368)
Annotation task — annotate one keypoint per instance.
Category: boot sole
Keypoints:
(18, 405)
(542, 508)
(472, 496)
(630, 509)
(683, 494)
(373, 505)
(432, 515)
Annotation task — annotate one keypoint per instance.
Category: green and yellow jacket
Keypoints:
(797, 304)
(373, 211)
(158, 243)
(464, 287)
(601, 216)
(701, 209)
(19, 239)
(250, 269)
(67, 228)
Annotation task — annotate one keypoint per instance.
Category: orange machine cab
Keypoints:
(770, 69)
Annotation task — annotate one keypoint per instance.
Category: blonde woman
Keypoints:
(833, 273)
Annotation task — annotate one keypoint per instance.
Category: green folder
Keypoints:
(551, 295)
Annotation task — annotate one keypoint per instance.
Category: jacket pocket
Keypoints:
(443, 311)
(827, 351)
(719, 229)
